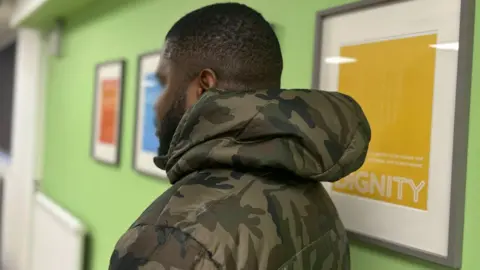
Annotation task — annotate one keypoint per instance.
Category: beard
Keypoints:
(167, 126)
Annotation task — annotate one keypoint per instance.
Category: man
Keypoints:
(245, 158)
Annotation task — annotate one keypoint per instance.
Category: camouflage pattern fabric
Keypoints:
(246, 169)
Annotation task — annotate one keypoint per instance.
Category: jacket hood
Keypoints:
(317, 135)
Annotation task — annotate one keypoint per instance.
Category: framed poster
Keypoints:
(107, 113)
(148, 90)
(408, 64)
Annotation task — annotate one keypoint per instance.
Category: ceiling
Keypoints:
(6, 34)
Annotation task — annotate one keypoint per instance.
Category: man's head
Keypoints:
(225, 46)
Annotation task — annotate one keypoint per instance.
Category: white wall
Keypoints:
(23, 8)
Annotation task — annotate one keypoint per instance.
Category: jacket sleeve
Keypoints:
(147, 247)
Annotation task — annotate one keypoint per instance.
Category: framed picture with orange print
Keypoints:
(107, 112)
(408, 63)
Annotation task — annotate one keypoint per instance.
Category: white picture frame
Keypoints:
(146, 143)
(107, 112)
(436, 232)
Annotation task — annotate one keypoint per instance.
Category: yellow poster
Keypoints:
(393, 80)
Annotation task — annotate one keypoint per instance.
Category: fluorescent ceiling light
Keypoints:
(339, 60)
(450, 46)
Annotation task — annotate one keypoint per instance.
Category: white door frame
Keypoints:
(26, 164)
(27, 145)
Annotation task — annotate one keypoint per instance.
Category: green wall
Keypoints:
(108, 199)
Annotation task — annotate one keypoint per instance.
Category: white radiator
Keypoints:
(58, 238)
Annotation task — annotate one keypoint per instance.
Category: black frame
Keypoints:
(122, 63)
(460, 136)
(137, 100)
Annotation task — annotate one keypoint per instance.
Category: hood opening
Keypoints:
(312, 134)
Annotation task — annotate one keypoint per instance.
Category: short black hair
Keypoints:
(232, 39)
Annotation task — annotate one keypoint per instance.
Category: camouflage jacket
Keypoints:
(246, 169)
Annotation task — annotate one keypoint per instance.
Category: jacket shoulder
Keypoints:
(220, 214)
(159, 247)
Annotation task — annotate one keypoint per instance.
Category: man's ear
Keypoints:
(207, 79)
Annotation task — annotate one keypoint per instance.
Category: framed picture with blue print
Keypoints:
(146, 143)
